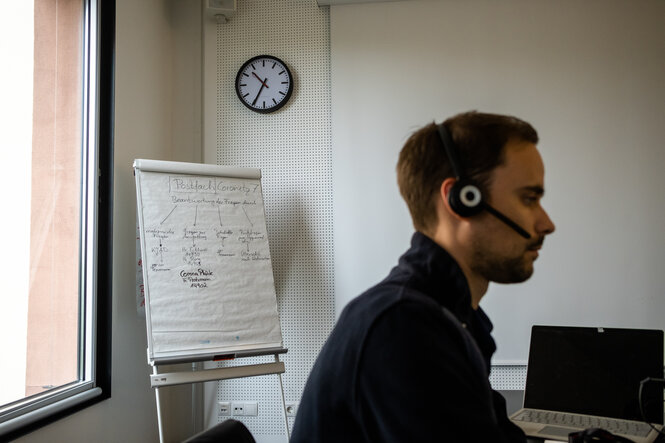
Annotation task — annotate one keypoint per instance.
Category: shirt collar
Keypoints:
(431, 270)
(435, 272)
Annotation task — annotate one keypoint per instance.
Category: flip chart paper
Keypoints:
(208, 278)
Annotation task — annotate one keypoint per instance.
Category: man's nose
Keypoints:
(545, 226)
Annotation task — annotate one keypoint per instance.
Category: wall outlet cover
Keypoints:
(224, 408)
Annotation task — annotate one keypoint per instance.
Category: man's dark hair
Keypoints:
(479, 139)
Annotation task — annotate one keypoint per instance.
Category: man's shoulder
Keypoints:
(385, 296)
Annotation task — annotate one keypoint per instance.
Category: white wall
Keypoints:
(587, 74)
(156, 101)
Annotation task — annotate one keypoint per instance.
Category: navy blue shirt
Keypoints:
(407, 361)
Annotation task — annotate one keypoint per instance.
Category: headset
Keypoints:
(465, 197)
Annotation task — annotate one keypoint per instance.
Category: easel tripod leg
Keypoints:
(159, 410)
(281, 386)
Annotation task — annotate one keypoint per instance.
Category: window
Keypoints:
(56, 165)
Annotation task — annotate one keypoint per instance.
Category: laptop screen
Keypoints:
(595, 371)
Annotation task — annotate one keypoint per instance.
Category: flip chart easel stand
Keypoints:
(207, 273)
(160, 380)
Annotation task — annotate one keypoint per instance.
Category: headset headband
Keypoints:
(450, 151)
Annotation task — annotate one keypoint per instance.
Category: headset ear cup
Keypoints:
(465, 198)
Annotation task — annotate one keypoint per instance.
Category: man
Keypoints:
(409, 360)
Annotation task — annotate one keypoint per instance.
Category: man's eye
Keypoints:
(530, 200)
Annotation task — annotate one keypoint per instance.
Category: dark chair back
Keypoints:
(229, 431)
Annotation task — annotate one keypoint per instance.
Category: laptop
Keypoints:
(581, 377)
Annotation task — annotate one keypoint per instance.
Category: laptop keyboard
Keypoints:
(617, 426)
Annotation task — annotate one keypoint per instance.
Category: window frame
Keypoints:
(98, 124)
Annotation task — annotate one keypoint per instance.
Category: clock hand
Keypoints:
(263, 82)
(261, 89)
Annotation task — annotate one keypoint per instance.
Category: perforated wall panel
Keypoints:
(508, 378)
(293, 149)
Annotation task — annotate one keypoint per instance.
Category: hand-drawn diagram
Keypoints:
(207, 261)
(208, 219)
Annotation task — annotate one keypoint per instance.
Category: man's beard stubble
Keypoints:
(501, 269)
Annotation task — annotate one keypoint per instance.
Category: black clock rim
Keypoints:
(288, 92)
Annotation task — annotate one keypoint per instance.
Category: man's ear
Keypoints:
(444, 193)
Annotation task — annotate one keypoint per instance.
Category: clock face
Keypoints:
(264, 84)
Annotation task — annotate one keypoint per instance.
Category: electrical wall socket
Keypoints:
(238, 408)
(292, 408)
(224, 408)
(246, 408)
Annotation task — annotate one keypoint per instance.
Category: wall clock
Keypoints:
(264, 84)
